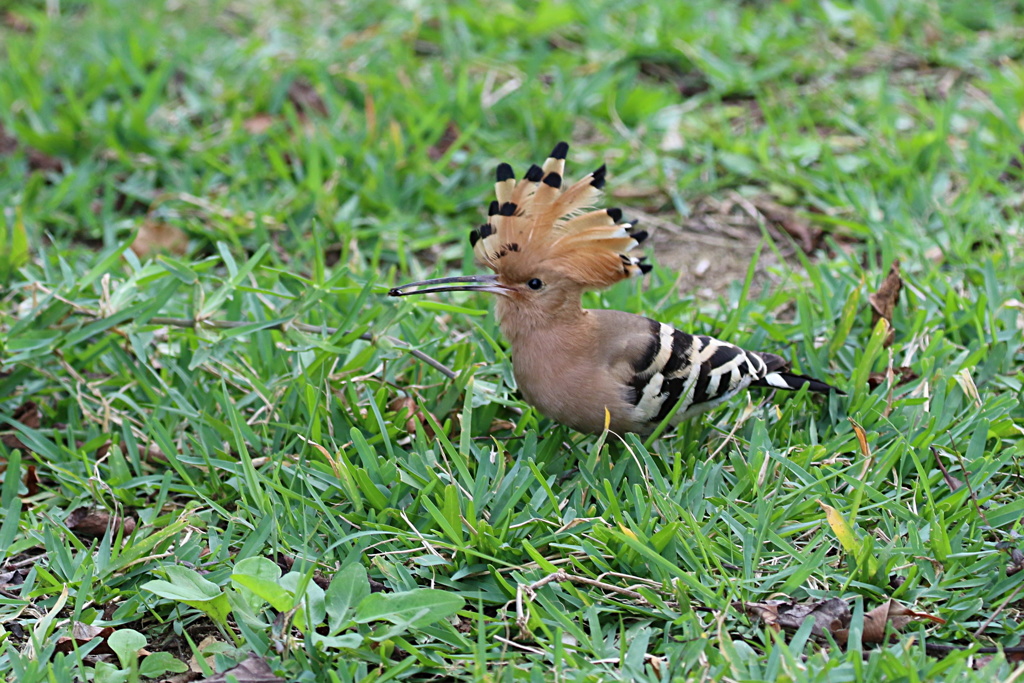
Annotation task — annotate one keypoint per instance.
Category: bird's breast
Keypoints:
(567, 382)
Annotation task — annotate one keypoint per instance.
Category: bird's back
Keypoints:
(640, 370)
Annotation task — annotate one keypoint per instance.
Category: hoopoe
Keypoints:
(546, 245)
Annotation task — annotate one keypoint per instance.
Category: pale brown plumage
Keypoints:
(546, 246)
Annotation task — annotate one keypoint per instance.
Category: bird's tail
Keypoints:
(779, 377)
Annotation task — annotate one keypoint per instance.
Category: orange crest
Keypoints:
(534, 223)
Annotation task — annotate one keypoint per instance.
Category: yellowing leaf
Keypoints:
(841, 528)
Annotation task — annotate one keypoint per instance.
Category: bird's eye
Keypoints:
(535, 283)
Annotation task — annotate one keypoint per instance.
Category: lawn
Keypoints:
(226, 449)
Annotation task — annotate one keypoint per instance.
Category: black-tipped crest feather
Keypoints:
(554, 226)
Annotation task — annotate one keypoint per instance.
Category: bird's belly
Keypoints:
(579, 401)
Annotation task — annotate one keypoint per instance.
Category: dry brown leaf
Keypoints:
(830, 616)
(155, 236)
(899, 376)
(258, 124)
(8, 143)
(406, 407)
(808, 236)
(766, 612)
(37, 161)
(185, 677)
(81, 634)
(306, 99)
(31, 481)
(193, 663)
(862, 438)
(28, 414)
(500, 426)
(883, 302)
(40, 161)
(16, 22)
(444, 143)
(889, 612)
(951, 481)
(252, 670)
(1016, 562)
(93, 523)
(13, 577)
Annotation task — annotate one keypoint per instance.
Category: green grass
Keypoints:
(315, 155)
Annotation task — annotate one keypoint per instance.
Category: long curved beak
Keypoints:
(465, 283)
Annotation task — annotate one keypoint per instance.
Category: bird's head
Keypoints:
(544, 243)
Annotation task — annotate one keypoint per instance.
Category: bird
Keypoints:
(593, 370)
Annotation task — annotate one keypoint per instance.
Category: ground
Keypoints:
(228, 452)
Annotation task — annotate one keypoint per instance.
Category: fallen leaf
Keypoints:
(13, 577)
(830, 616)
(37, 161)
(1016, 562)
(16, 22)
(8, 143)
(1016, 558)
(31, 481)
(444, 143)
(500, 426)
(808, 236)
(29, 415)
(688, 82)
(306, 99)
(40, 161)
(766, 612)
(207, 643)
(951, 481)
(406, 407)
(258, 124)
(82, 634)
(862, 439)
(186, 677)
(899, 376)
(156, 236)
(93, 523)
(253, 670)
(883, 302)
(889, 612)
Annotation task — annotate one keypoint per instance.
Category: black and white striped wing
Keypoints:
(695, 371)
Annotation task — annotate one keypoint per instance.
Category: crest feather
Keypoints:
(537, 221)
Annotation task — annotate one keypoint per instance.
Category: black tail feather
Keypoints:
(794, 382)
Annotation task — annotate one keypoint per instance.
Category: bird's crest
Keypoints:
(538, 222)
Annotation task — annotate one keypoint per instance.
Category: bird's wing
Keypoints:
(694, 371)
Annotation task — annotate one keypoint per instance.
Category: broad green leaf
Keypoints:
(349, 640)
(183, 584)
(279, 598)
(105, 672)
(347, 589)
(160, 663)
(259, 569)
(311, 599)
(126, 643)
(418, 607)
